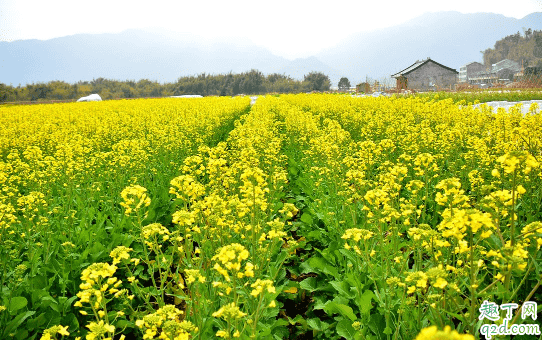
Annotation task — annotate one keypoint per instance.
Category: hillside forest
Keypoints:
(525, 49)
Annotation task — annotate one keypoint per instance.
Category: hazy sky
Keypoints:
(288, 28)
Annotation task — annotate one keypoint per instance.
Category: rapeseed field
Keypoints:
(310, 216)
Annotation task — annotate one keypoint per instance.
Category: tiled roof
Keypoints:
(472, 62)
(418, 64)
(410, 68)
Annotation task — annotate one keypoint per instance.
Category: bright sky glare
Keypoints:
(288, 28)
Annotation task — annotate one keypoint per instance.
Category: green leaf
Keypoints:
(345, 329)
(333, 307)
(15, 323)
(17, 303)
(315, 234)
(49, 301)
(270, 313)
(72, 322)
(263, 330)
(343, 288)
(283, 255)
(320, 302)
(53, 317)
(36, 322)
(376, 323)
(349, 255)
(39, 281)
(22, 334)
(280, 332)
(323, 266)
(364, 302)
(67, 303)
(306, 218)
(151, 215)
(317, 324)
(309, 284)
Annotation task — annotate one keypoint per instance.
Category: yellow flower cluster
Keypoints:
(192, 275)
(229, 260)
(153, 234)
(512, 161)
(289, 210)
(261, 285)
(120, 253)
(51, 332)
(186, 187)
(134, 198)
(97, 271)
(99, 329)
(165, 323)
(98, 284)
(229, 311)
(458, 221)
(425, 163)
(433, 333)
(356, 235)
(453, 195)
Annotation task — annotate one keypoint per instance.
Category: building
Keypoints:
(468, 70)
(483, 77)
(502, 71)
(426, 75)
(363, 88)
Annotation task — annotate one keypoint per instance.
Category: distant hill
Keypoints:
(450, 38)
(298, 68)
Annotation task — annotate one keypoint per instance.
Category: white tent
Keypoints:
(91, 98)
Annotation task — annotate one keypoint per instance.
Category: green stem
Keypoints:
(526, 299)
(522, 281)
(513, 212)
(472, 285)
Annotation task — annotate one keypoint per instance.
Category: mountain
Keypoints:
(129, 55)
(450, 38)
(134, 54)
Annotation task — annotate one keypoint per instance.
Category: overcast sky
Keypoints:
(288, 28)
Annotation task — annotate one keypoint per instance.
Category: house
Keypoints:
(426, 75)
(468, 70)
(363, 88)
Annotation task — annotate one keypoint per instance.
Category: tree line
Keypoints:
(525, 49)
(251, 82)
